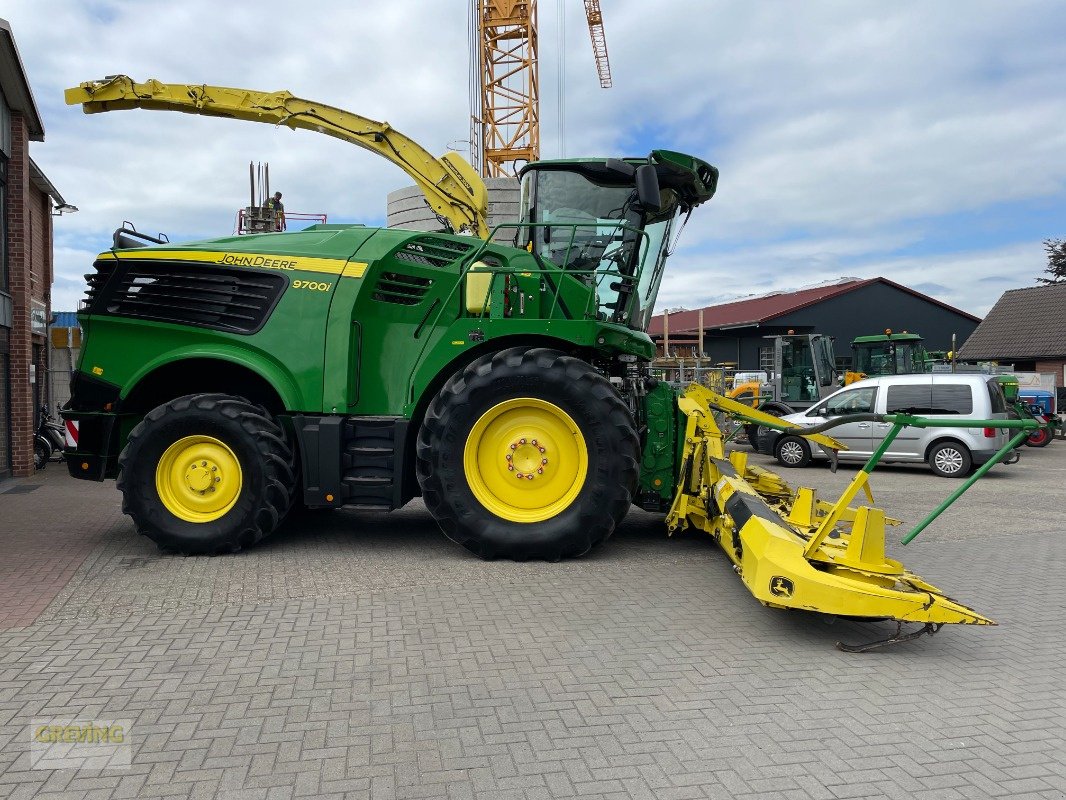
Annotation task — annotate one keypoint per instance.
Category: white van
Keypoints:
(950, 452)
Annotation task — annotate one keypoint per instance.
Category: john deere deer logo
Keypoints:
(781, 587)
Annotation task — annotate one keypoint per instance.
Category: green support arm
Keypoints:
(451, 186)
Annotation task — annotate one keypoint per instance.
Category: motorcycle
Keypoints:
(49, 439)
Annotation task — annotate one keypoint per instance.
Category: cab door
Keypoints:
(858, 436)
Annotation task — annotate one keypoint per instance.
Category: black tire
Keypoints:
(1041, 437)
(260, 448)
(612, 450)
(752, 430)
(41, 453)
(950, 460)
(792, 451)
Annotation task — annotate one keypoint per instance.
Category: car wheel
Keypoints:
(950, 460)
(792, 451)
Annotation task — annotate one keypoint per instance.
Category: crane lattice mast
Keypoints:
(599, 42)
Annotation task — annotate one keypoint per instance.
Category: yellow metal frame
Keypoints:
(505, 122)
(792, 549)
(452, 187)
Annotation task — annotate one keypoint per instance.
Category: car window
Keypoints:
(941, 398)
(995, 395)
(854, 401)
(952, 398)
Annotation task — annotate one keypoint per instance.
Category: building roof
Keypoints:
(15, 85)
(1024, 324)
(40, 180)
(756, 310)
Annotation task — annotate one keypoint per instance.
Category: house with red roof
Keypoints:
(734, 332)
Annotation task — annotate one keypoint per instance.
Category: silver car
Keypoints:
(950, 452)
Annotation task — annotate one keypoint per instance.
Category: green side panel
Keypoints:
(377, 332)
(409, 321)
(287, 351)
(369, 329)
(660, 464)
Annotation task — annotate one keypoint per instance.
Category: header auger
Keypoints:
(224, 382)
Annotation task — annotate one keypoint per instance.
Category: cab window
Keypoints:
(854, 401)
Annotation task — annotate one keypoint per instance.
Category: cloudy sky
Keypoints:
(925, 142)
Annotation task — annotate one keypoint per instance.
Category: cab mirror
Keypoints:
(648, 187)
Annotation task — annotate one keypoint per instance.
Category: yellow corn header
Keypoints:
(791, 548)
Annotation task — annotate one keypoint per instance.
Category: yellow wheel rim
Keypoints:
(525, 460)
(198, 478)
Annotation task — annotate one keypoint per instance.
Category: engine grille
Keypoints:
(95, 282)
(404, 290)
(430, 251)
(237, 301)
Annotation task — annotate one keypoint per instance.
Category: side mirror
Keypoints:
(648, 187)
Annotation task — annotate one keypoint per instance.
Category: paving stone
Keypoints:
(356, 655)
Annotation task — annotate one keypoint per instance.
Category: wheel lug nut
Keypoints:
(203, 463)
(541, 449)
(514, 447)
(533, 442)
(510, 467)
(544, 461)
(218, 480)
(508, 456)
(530, 476)
(521, 441)
(540, 470)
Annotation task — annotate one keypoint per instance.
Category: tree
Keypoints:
(1056, 261)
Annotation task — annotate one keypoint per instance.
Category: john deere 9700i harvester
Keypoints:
(223, 382)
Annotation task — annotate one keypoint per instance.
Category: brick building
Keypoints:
(26, 208)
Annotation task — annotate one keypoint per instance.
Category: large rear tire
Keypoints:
(206, 474)
(528, 454)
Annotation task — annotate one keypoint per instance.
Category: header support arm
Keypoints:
(451, 186)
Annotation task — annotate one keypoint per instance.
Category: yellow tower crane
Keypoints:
(504, 91)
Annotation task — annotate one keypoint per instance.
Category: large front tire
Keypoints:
(206, 474)
(528, 454)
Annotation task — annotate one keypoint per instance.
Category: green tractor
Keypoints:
(225, 382)
(891, 354)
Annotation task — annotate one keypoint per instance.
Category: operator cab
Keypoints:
(610, 222)
(891, 354)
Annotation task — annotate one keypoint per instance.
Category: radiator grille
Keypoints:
(238, 301)
(404, 290)
(95, 282)
(430, 251)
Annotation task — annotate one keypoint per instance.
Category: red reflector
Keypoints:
(990, 433)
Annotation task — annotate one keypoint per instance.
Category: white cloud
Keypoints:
(844, 130)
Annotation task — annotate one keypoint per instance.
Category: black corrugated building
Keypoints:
(734, 332)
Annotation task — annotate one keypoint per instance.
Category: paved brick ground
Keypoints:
(49, 524)
(358, 656)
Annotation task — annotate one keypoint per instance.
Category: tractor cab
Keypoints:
(804, 369)
(888, 354)
(610, 222)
